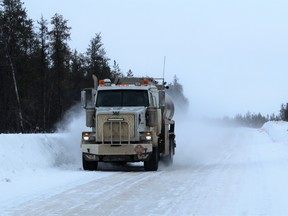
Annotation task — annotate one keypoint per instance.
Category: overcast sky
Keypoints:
(231, 56)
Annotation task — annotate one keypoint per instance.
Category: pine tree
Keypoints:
(60, 57)
(79, 78)
(97, 62)
(284, 112)
(130, 73)
(116, 72)
(43, 66)
(17, 42)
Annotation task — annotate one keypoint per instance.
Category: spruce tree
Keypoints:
(43, 67)
(116, 71)
(284, 112)
(17, 42)
(60, 57)
(97, 62)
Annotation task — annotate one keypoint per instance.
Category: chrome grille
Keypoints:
(117, 129)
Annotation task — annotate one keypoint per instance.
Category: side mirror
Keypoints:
(83, 99)
(152, 116)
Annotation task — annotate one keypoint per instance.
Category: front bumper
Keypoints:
(121, 149)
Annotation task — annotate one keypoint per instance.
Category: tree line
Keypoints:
(254, 120)
(41, 76)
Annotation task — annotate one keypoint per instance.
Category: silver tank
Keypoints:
(169, 107)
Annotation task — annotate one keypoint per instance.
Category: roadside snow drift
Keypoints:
(30, 152)
(20, 153)
(277, 130)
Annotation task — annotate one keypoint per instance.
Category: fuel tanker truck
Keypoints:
(131, 120)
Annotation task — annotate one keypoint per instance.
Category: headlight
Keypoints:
(88, 136)
(148, 136)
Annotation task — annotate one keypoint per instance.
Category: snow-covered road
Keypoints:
(217, 171)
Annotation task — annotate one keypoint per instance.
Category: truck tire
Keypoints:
(168, 160)
(152, 164)
(89, 165)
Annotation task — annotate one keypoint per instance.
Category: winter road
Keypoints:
(222, 171)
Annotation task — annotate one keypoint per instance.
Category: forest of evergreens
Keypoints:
(41, 76)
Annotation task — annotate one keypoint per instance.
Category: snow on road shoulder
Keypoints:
(20, 153)
(277, 130)
(35, 164)
(28, 163)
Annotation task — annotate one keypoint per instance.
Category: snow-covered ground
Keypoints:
(217, 171)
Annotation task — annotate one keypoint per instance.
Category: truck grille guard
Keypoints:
(116, 130)
(116, 120)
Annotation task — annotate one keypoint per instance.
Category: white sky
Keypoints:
(231, 56)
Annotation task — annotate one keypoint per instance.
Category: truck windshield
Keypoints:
(111, 98)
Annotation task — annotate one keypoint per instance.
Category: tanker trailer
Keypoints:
(131, 120)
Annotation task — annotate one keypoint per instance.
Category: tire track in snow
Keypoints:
(88, 198)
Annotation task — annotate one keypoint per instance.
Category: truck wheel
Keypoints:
(168, 160)
(152, 164)
(89, 165)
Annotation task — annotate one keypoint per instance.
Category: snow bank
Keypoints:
(27, 153)
(277, 130)
(20, 152)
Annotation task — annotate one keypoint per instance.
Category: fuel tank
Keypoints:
(153, 115)
(169, 108)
